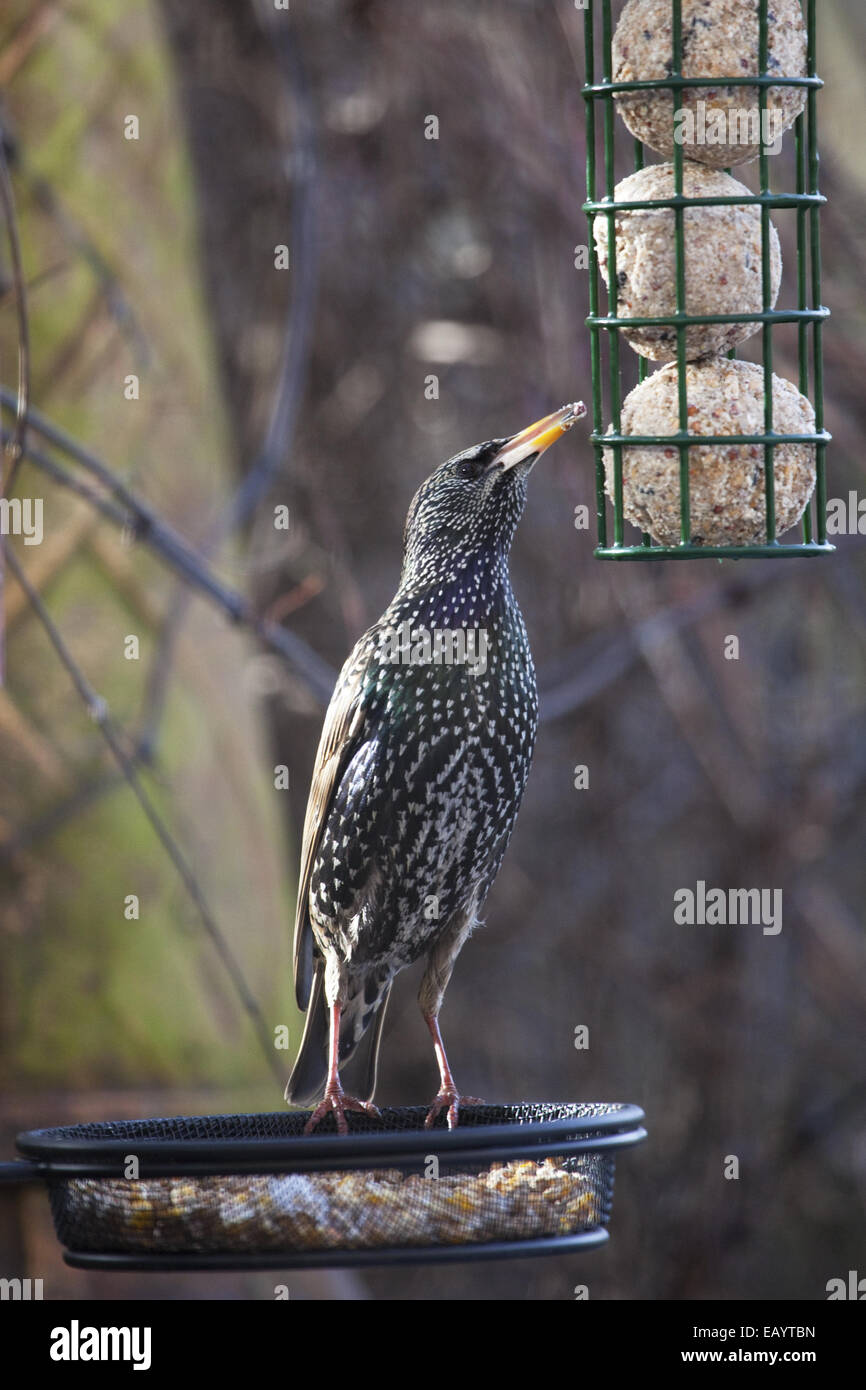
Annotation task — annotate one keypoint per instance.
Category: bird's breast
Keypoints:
(432, 798)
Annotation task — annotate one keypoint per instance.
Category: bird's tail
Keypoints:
(360, 1034)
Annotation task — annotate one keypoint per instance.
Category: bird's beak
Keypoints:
(538, 437)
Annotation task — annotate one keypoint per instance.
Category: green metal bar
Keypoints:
(815, 237)
(642, 363)
(802, 291)
(766, 277)
(717, 200)
(594, 340)
(677, 83)
(756, 316)
(732, 352)
(645, 440)
(680, 249)
(802, 282)
(714, 552)
(612, 287)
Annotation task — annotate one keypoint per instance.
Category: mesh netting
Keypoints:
(289, 1124)
(355, 1210)
(426, 1194)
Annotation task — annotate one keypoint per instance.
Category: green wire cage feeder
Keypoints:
(650, 53)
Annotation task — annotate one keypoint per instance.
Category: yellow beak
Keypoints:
(538, 437)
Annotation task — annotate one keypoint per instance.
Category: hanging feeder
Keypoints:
(649, 473)
(254, 1192)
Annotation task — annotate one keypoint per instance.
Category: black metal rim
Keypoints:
(64, 1154)
(340, 1259)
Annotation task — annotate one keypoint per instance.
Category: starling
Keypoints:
(419, 775)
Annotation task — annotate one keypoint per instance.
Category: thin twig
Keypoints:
(115, 739)
(294, 357)
(148, 527)
(57, 473)
(14, 450)
(44, 197)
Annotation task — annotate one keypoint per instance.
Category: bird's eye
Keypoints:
(475, 463)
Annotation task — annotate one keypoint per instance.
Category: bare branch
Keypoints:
(148, 527)
(116, 740)
(15, 447)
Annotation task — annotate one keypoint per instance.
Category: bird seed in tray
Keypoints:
(356, 1209)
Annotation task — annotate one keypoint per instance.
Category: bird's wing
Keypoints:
(341, 735)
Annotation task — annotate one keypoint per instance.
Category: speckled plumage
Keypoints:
(420, 770)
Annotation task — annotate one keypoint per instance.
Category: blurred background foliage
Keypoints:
(410, 257)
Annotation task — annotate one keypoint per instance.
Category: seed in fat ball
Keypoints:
(726, 481)
(720, 125)
(723, 265)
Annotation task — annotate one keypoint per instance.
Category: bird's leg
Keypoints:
(448, 1093)
(434, 983)
(335, 1097)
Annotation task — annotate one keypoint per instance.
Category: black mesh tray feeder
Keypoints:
(252, 1191)
(808, 316)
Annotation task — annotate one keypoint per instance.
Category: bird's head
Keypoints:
(469, 508)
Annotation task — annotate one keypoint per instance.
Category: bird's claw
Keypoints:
(336, 1100)
(452, 1098)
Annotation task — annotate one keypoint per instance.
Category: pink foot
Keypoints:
(448, 1095)
(337, 1100)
